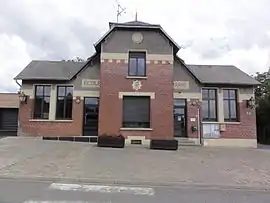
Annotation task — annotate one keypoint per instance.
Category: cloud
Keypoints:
(212, 31)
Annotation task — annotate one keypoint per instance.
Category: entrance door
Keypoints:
(180, 118)
(90, 127)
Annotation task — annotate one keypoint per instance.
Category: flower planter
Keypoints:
(113, 141)
(66, 138)
(164, 144)
(50, 138)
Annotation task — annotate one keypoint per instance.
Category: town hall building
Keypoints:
(137, 86)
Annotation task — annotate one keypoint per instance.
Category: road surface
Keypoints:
(34, 191)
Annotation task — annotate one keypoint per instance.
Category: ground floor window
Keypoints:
(136, 112)
(42, 101)
(64, 102)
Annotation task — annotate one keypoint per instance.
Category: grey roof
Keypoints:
(138, 25)
(221, 74)
(50, 70)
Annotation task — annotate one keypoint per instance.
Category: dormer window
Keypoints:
(137, 64)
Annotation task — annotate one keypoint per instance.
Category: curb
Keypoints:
(136, 183)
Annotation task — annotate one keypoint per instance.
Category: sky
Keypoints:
(231, 32)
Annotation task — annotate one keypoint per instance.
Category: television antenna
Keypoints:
(120, 10)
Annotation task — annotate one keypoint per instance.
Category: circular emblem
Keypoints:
(136, 85)
(137, 37)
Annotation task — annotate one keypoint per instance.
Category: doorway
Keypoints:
(180, 118)
(90, 121)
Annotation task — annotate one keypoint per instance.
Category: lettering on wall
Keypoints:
(181, 85)
(90, 83)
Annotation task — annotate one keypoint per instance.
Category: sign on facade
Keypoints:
(211, 131)
(181, 85)
(90, 83)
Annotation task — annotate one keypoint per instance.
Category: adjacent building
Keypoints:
(137, 86)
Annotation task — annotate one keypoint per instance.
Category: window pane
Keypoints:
(141, 66)
(204, 94)
(226, 109)
(47, 90)
(37, 107)
(132, 66)
(212, 109)
(232, 94)
(46, 107)
(93, 101)
(61, 91)
(212, 94)
(69, 91)
(205, 109)
(179, 102)
(60, 108)
(39, 90)
(226, 94)
(68, 108)
(233, 109)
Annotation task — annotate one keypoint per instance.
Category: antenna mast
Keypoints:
(120, 10)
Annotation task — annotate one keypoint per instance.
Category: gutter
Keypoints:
(18, 83)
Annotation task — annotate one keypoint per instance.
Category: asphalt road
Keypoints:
(23, 191)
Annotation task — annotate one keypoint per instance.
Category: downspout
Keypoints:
(18, 83)
(199, 126)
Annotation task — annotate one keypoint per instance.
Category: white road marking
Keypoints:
(35, 201)
(103, 189)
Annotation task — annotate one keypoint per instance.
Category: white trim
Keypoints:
(227, 123)
(144, 141)
(187, 95)
(136, 77)
(136, 129)
(85, 93)
(48, 120)
(223, 142)
(150, 94)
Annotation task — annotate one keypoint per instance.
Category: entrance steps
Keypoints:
(187, 142)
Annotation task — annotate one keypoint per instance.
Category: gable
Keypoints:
(120, 41)
(185, 78)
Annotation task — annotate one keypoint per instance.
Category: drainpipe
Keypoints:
(18, 83)
(199, 126)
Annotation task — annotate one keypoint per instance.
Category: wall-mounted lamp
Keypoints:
(251, 103)
(78, 100)
(23, 97)
(195, 102)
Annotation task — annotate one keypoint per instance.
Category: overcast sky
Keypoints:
(211, 31)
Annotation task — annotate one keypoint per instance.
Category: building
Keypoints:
(9, 106)
(137, 86)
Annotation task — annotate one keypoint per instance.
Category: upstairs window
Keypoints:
(64, 102)
(42, 101)
(230, 105)
(209, 104)
(137, 64)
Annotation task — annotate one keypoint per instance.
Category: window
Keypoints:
(209, 105)
(42, 101)
(136, 112)
(137, 64)
(230, 105)
(64, 102)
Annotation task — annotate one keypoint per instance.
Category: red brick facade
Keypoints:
(159, 81)
(246, 128)
(30, 127)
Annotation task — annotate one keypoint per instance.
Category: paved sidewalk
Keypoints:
(34, 158)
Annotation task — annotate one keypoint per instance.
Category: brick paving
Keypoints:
(189, 165)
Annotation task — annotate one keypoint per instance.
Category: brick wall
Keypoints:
(247, 127)
(192, 112)
(113, 80)
(30, 127)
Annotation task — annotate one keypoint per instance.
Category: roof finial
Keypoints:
(136, 16)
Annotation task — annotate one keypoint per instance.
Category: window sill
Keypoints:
(136, 77)
(47, 120)
(136, 129)
(226, 122)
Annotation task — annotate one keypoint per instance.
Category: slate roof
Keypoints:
(135, 25)
(50, 70)
(221, 74)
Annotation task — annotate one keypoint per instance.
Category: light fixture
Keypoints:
(195, 102)
(251, 103)
(23, 97)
